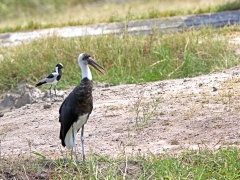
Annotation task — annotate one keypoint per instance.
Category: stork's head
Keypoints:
(84, 59)
(59, 66)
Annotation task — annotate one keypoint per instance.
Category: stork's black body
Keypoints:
(76, 108)
(78, 103)
(52, 78)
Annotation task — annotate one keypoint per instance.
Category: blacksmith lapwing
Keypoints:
(76, 108)
(52, 78)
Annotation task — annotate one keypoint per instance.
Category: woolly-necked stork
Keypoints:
(52, 78)
(77, 107)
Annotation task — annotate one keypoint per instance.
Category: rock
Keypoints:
(214, 89)
(186, 79)
(20, 96)
(24, 99)
(47, 106)
(1, 114)
(36, 95)
(9, 101)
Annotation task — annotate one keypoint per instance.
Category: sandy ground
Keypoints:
(156, 117)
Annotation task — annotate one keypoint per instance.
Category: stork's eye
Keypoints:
(85, 58)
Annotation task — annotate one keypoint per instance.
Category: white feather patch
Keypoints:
(76, 126)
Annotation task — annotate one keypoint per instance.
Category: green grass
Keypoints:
(221, 164)
(127, 59)
(28, 15)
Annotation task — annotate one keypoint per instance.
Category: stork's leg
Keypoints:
(74, 143)
(82, 140)
(50, 89)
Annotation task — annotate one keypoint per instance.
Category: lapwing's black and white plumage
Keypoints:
(52, 78)
(77, 107)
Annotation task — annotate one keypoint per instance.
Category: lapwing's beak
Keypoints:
(96, 65)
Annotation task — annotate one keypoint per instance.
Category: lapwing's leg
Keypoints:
(82, 140)
(74, 143)
(50, 89)
(55, 90)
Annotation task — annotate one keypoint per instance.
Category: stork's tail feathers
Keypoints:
(67, 141)
(40, 83)
(62, 140)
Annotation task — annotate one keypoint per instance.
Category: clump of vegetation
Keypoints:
(205, 164)
(145, 110)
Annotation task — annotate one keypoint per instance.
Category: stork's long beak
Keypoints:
(96, 65)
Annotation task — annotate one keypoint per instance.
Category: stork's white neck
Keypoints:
(86, 73)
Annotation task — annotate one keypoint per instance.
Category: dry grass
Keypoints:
(17, 16)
